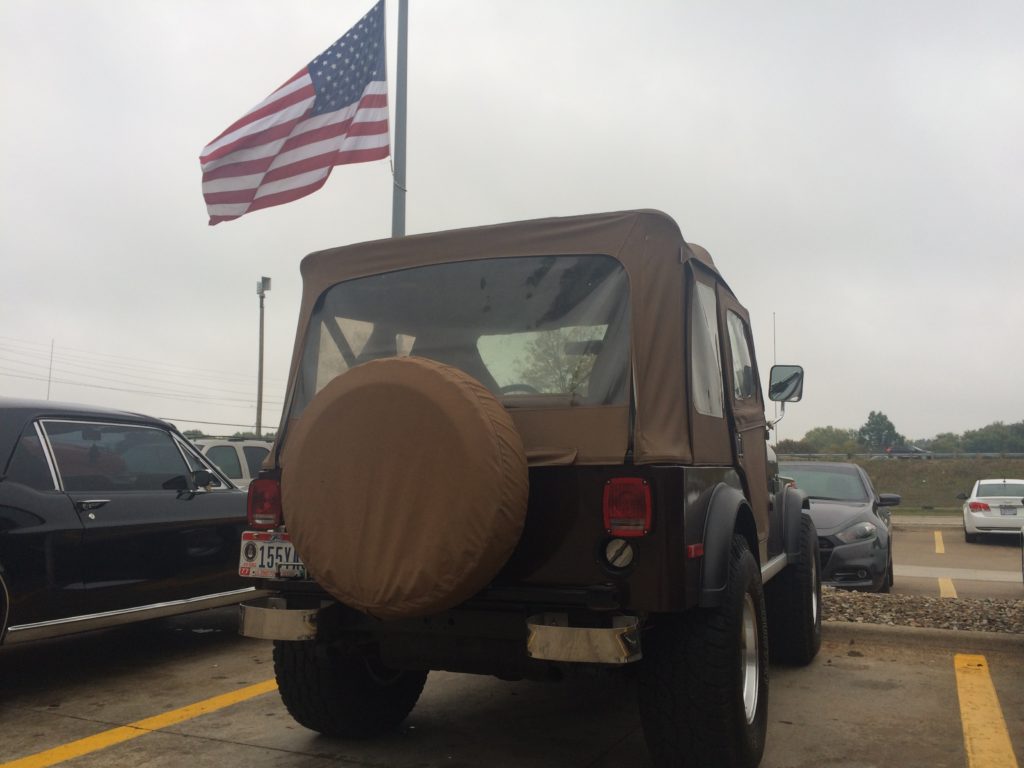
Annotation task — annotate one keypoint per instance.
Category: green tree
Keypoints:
(944, 442)
(878, 433)
(995, 438)
(831, 440)
(193, 434)
(252, 436)
(791, 446)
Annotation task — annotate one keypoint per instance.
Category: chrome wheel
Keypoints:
(749, 659)
(814, 589)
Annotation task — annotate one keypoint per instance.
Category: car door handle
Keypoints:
(87, 505)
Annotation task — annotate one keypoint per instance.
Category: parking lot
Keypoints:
(932, 558)
(190, 690)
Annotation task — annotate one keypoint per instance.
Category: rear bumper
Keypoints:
(548, 636)
(979, 522)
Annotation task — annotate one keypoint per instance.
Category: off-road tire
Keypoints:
(691, 692)
(794, 603)
(351, 697)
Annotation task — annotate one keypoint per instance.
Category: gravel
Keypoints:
(985, 615)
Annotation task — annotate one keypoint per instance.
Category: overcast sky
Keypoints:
(855, 168)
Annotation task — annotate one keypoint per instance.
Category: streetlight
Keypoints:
(262, 286)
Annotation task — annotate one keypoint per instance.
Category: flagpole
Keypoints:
(398, 196)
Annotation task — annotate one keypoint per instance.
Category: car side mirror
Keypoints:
(962, 496)
(204, 478)
(786, 383)
(889, 499)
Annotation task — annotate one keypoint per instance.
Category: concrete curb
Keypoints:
(955, 640)
(927, 521)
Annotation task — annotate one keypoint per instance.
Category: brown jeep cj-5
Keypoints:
(521, 449)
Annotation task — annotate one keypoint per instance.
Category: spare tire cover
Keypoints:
(404, 487)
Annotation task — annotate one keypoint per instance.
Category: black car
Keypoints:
(853, 522)
(107, 518)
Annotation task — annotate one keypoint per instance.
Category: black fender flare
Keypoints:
(793, 502)
(723, 508)
(5, 605)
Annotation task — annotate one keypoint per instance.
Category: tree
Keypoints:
(193, 434)
(252, 436)
(995, 438)
(556, 361)
(791, 446)
(831, 440)
(878, 433)
(944, 442)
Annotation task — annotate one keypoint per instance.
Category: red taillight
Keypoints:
(627, 506)
(264, 503)
(979, 506)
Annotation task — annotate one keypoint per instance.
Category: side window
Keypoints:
(28, 463)
(742, 362)
(705, 363)
(116, 457)
(226, 457)
(254, 456)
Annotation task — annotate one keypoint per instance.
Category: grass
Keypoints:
(902, 511)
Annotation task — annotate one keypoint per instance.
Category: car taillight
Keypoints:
(264, 509)
(979, 506)
(627, 506)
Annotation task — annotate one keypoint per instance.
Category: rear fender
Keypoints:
(728, 513)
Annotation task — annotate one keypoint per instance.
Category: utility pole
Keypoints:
(262, 286)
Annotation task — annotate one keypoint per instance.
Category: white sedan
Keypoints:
(994, 506)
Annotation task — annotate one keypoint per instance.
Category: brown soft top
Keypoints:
(652, 250)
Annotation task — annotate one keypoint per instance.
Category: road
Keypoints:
(932, 558)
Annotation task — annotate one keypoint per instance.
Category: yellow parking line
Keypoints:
(946, 589)
(138, 728)
(940, 548)
(986, 740)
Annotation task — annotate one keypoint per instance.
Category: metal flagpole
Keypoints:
(398, 197)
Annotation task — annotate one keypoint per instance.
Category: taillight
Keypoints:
(627, 506)
(264, 509)
(979, 506)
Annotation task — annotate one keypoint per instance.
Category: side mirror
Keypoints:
(786, 384)
(204, 478)
(962, 496)
(889, 499)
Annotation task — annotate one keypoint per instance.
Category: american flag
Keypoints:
(332, 112)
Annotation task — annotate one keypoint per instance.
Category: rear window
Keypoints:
(554, 326)
(1001, 489)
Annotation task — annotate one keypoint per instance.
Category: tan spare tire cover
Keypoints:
(404, 487)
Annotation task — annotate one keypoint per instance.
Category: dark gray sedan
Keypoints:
(853, 522)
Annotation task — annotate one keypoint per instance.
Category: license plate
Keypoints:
(269, 555)
(1008, 511)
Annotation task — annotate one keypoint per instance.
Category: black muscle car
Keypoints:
(107, 518)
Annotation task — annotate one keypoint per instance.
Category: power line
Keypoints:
(190, 389)
(223, 402)
(132, 362)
